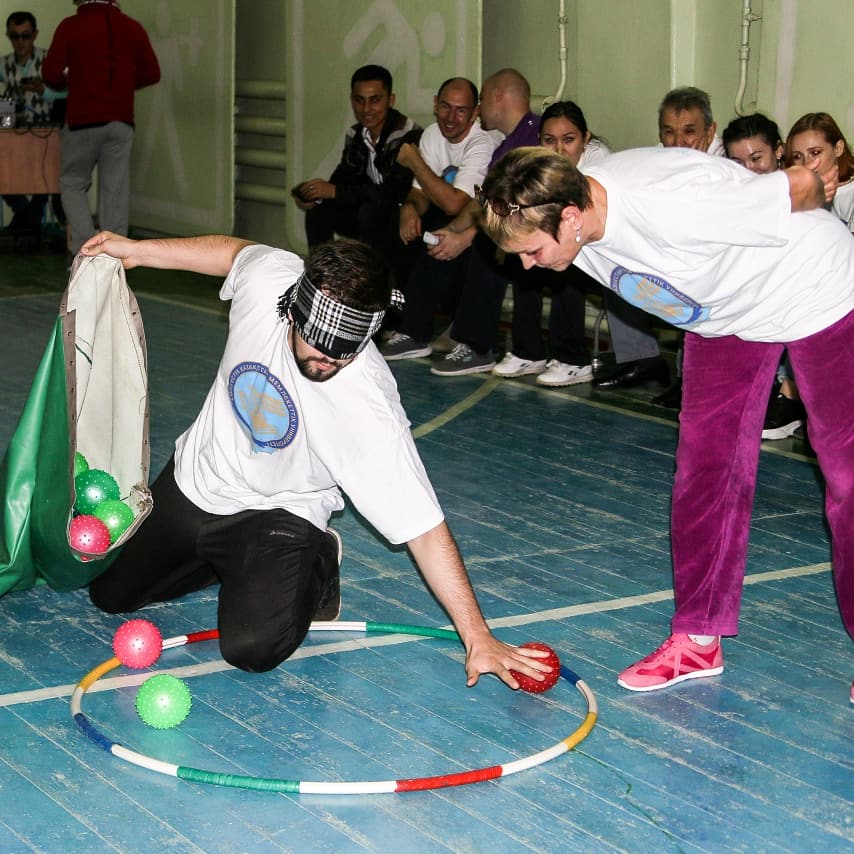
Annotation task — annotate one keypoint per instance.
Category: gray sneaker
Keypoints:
(463, 360)
(401, 346)
(444, 343)
(329, 607)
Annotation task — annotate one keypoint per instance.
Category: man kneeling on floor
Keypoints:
(302, 406)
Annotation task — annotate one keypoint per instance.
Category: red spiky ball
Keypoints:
(532, 686)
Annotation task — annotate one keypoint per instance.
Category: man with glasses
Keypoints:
(452, 157)
(21, 81)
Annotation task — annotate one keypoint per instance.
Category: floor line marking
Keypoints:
(457, 409)
(602, 606)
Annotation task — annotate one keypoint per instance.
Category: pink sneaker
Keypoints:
(676, 660)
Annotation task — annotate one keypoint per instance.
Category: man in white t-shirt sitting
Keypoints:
(452, 157)
(302, 408)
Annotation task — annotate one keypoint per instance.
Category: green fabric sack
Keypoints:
(90, 394)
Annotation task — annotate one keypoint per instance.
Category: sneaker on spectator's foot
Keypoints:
(676, 660)
(401, 346)
(513, 366)
(329, 607)
(783, 417)
(444, 343)
(561, 374)
(463, 360)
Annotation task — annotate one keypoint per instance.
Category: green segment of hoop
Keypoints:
(403, 629)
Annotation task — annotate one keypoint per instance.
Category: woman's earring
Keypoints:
(578, 234)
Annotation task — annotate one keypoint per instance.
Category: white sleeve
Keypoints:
(475, 163)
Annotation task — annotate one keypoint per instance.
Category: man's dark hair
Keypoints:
(372, 72)
(687, 98)
(475, 98)
(350, 272)
(18, 18)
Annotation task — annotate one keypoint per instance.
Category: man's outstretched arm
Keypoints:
(441, 564)
(212, 254)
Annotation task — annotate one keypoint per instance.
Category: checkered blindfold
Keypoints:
(339, 331)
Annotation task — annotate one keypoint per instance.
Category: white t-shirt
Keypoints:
(843, 203)
(462, 164)
(594, 152)
(267, 437)
(711, 247)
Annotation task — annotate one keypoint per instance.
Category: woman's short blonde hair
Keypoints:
(542, 182)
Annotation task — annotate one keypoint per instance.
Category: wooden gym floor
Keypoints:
(559, 500)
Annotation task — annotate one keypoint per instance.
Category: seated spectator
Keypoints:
(21, 80)
(452, 157)
(563, 129)
(685, 120)
(754, 142)
(363, 195)
(465, 257)
(815, 141)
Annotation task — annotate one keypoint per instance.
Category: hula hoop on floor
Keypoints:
(303, 787)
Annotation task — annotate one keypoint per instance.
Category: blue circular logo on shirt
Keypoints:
(263, 405)
(657, 296)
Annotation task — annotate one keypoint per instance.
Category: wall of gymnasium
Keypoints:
(621, 57)
(182, 172)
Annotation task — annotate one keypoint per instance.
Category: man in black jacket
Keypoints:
(362, 197)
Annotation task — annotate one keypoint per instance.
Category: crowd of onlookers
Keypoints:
(413, 194)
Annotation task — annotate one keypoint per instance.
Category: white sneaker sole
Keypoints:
(697, 674)
(544, 381)
(420, 353)
(475, 369)
(524, 372)
(781, 432)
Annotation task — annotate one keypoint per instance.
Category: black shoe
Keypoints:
(329, 607)
(631, 374)
(783, 418)
(671, 397)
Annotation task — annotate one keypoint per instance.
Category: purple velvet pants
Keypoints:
(726, 385)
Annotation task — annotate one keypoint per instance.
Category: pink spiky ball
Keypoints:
(88, 535)
(137, 644)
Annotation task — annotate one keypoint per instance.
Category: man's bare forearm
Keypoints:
(212, 254)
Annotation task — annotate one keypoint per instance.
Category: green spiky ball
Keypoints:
(163, 701)
(116, 515)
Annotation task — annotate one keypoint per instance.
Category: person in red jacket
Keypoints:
(102, 57)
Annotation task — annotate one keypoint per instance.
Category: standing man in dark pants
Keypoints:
(102, 57)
